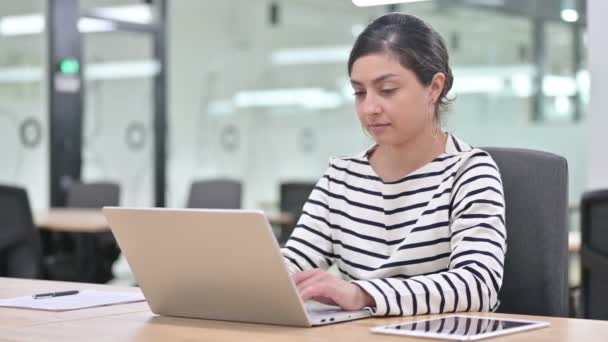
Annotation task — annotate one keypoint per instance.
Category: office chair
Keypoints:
(215, 194)
(535, 280)
(293, 195)
(594, 254)
(86, 256)
(93, 195)
(20, 250)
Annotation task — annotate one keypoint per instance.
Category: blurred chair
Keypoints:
(85, 256)
(594, 254)
(93, 195)
(20, 251)
(535, 280)
(215, 194)
(293, 195)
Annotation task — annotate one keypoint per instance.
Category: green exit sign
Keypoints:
(69, 66)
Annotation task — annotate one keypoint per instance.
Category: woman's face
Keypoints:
(392, 105)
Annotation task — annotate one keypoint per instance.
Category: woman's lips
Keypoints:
(377, 128)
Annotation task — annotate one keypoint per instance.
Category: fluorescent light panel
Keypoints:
(313, 55)
(88, 25)
(21, 24)
(314, 98)
(122, 70)
(140, 14)
(367, 3)
(20, 75)
(35, 23)
(569, 15)
(94, 71)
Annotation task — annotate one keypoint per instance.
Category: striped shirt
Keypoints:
(431, 242)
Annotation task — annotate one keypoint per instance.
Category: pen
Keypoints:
(55, 294)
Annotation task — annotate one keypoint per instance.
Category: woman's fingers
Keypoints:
(309, 279)
(337, 292)
(302, 276)
(323, 291)
(323, 287)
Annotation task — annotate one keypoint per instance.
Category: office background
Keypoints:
(258, 91)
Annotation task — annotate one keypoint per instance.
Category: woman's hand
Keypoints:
(323, 287)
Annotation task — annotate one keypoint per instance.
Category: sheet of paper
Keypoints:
(84, 299)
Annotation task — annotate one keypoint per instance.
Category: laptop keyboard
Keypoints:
(316, 308)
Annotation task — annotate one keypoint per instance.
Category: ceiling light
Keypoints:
(122, 70)
(35, 23)
(21, 74)
(554, 85)
(569, 15)
(141, 14)
(312, 98)
(93, 71)
(21, 24)
(315, 55)
(366, 3)
(87, 25)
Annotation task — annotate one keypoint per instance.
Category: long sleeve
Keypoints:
(310, 245)
(477, 243)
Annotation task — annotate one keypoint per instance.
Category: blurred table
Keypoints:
(281, 218)
(574, 242)
(77, 220)
(72, 220)
(83, 225)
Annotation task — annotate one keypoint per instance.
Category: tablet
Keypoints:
(460, 328)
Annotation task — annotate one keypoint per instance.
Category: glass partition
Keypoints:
(118, 137)
(259, 89)
(23, 100)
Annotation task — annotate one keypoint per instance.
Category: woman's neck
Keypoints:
(392, 162)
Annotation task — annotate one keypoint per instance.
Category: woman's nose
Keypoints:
(370, 105)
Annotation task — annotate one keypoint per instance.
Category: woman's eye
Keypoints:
(359, 93)
(388, 91)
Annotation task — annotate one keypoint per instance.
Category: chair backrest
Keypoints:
(594, 254)
(293, 195)
(93, 195)
(535, 280)
(215, 194)
(20, 250)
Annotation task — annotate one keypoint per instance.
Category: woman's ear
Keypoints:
(436, 87)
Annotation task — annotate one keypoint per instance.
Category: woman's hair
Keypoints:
(417, 46)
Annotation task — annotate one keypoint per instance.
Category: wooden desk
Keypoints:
(71, 220)
(16, 318)
(131, 322)
(281, 218)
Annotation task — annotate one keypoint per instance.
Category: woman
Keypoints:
(415, 224)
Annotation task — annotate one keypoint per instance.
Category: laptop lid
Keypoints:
(210, 264)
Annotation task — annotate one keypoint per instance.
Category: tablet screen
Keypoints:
(460, 327)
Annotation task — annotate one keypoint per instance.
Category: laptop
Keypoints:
(214, 264)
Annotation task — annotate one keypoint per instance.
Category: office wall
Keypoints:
(598, 114)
